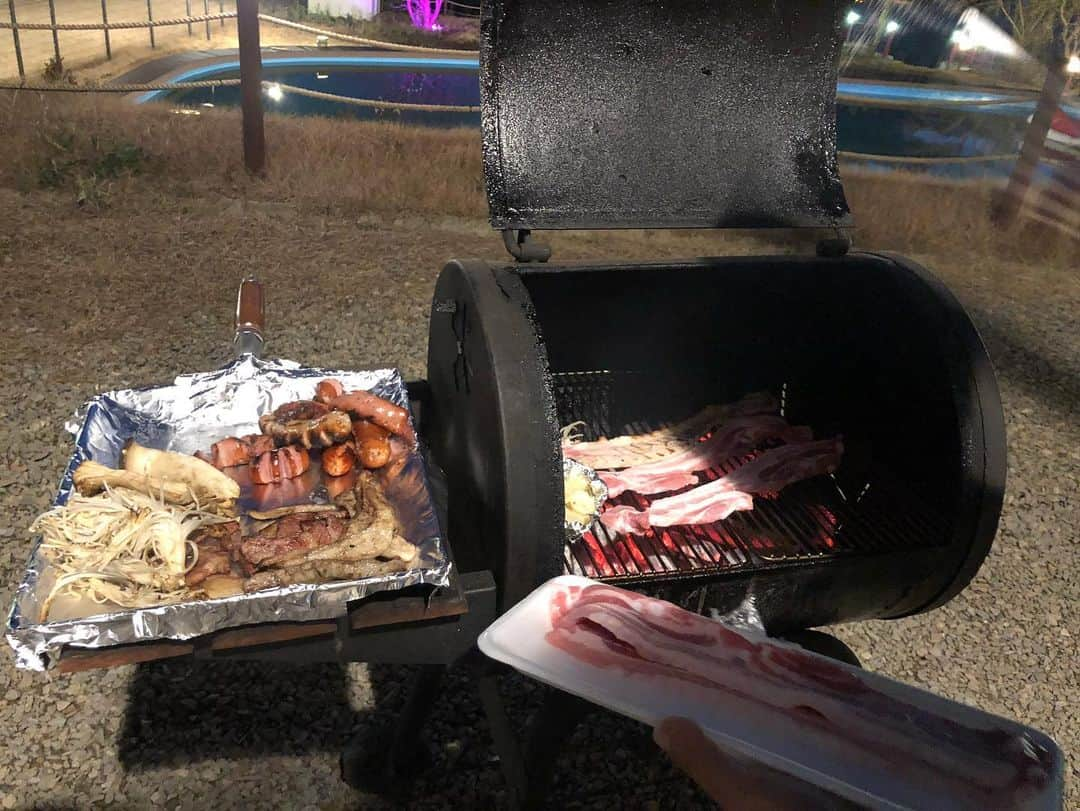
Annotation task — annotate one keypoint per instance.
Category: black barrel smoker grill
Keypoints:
(644, 114)
(679, 114)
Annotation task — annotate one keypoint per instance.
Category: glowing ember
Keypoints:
(425, 13)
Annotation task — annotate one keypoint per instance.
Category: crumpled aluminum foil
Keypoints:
(191, 414)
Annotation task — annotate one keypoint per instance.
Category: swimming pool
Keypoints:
(446, 81)
(957, 122)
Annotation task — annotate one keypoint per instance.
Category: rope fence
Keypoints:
(117, 88)
(189, 20)
(107, 26)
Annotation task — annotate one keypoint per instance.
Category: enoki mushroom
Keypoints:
(119, 547)
(571, 435)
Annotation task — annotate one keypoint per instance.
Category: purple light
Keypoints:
(424, 13)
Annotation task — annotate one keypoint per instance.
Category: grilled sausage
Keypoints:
(328, 389)
(283, 463)
(306, 423)
(382, 412)
(372, 444)
(338, 460)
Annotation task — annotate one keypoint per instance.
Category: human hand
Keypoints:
(732, 780)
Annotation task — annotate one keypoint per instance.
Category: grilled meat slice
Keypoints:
(373, 531)
(317, 571)
(213, 542)
(291, 537)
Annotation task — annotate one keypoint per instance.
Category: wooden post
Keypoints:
(1008, 206)
(247, 31)
(187, 8)
(206, 10)
(55, 33)
(221, 8)
(15, 36)
(150, 17)
(105, 20)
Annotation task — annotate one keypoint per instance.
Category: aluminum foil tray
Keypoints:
(191, 414)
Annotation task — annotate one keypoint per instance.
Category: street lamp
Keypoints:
(891, 27)
(852, 18)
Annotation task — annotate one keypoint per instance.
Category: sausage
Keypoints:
(307, 423)
(234, 451)
(328, 389)
(258, 443)
(338, 460)
(283, 463)
(301, 410)
(230, 452)
(382, 412)
(372, 444)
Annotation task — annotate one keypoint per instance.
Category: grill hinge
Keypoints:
(835, 246)
(523, 247)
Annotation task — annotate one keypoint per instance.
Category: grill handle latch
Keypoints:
(523, 247)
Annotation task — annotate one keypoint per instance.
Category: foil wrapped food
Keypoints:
(189, 415)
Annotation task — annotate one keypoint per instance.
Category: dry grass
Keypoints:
(352, 167)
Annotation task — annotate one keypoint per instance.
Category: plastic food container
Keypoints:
(857, 735)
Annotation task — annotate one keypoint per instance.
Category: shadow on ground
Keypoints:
(1054, 382)
(180, 713)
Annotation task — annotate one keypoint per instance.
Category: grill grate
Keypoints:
(812, 520)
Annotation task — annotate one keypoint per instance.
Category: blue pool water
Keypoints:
(449, 81)
(942, 129)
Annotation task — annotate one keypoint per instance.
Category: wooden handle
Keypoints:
(250, 315)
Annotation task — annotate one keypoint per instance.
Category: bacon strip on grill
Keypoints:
(626, 451)
(736, 437)
(768, 474)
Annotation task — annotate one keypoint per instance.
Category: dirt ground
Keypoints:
(142, 290)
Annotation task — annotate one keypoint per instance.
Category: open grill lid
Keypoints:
(660, 113)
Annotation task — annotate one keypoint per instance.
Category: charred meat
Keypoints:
(292, 536)
(307, 423)
(213, 543)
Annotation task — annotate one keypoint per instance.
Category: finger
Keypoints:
(735, 782)
(701, 760)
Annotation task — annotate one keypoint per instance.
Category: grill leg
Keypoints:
(369, 763)
(547, 734)
(528, 770)
(506, 743)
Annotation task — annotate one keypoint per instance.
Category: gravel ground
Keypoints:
(142, 291)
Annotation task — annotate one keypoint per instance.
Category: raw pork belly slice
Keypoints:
(735, 438)
(625, 451)
(769, 473)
